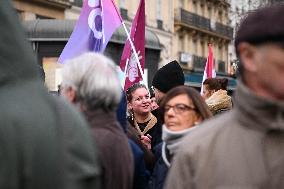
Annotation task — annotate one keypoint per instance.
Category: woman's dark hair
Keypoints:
(223, 83)
(216, 83)
(133, 88)
(193, 94)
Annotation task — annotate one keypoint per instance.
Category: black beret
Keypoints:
(168, 77)
(262, 26)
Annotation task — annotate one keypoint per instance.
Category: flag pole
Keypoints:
(135, 53)
(125, 69)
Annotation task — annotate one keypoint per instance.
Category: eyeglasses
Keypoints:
(178, 108)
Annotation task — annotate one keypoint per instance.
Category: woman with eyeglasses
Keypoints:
(181, 110)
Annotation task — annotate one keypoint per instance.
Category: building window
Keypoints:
(181, 40)
(123, 10)
(159, 9)
(122, 3)
(160, 24)
(194, 46)
(202, 8)
(220, 16)
(202, 49)
(220, 53)
(124, 13)
(52, 72)
(78, 3)
(195, 7)
(159, 14)
(209, 12)
(42, 17)
(221, 66)
(181, 3)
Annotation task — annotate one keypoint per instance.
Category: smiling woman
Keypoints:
(141, 118)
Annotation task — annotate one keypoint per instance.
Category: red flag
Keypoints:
(137, 36)
(209, 71)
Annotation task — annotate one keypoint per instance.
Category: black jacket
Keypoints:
(160, 171)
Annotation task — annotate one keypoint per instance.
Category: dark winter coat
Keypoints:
(160, 171)
(141, 174)
(158, 128)
(149, 157)
(44, 142)
(239, 149)
(113, 149)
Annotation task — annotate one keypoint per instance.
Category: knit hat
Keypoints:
(168, 77)
(262, 26)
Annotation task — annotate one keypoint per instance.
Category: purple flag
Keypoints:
(97, 22)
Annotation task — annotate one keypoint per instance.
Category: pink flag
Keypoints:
(209, 71)
(97, 22)
(137, 35)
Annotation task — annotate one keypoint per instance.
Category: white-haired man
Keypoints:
(91, 83)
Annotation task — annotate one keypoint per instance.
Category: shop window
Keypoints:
(52, 72)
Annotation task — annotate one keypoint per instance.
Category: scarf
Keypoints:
(171, 142)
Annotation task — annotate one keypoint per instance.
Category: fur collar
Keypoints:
(220, 100)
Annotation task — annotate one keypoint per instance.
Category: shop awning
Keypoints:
(60, 30)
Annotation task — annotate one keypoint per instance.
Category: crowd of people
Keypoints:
(170, 136)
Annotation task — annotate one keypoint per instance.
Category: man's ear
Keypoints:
(71, 94)
(247, 54)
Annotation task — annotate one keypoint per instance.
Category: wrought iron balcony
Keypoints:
(201, 23)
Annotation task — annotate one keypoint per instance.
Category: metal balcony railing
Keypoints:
(203, 23)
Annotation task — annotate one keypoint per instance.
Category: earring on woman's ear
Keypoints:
(132, 116)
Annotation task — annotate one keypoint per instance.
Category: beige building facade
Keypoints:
(183, 27)
(159, 19)
(38, 9)
(197, 23)
(33, 10)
